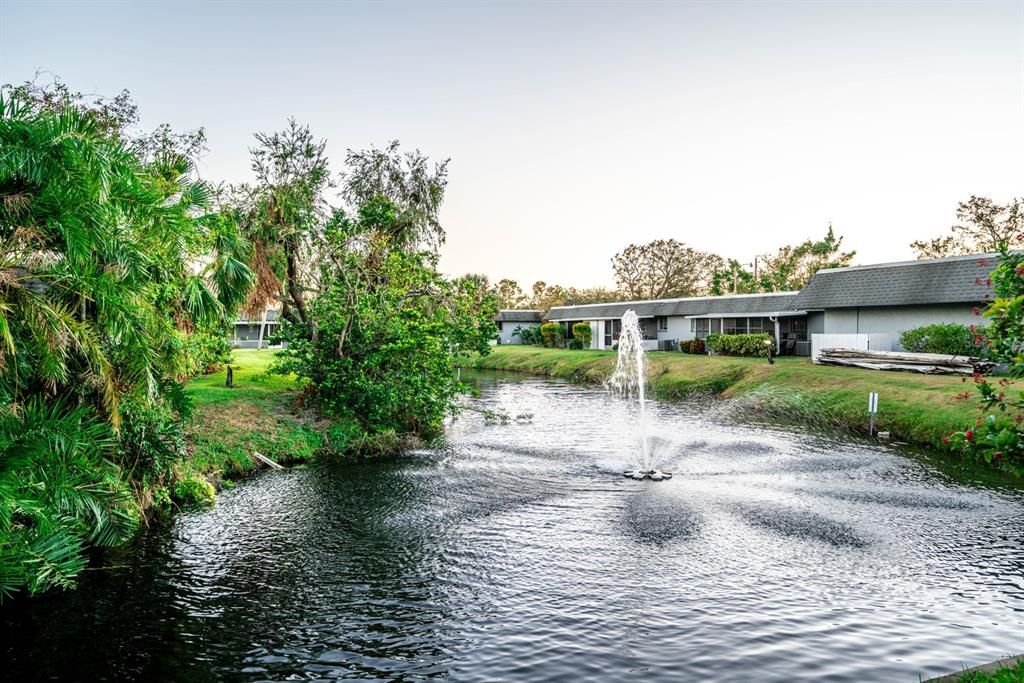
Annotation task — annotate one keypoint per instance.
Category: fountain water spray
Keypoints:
(630, 382)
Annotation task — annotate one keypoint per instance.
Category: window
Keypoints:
(794, 328)
(702, 327)
(758, 325)
(501, 325)
(734, 326)
(612, 330)
(662, 323)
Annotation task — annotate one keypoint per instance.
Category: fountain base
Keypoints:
(653, 475)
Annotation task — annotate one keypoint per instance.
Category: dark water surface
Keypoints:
(519, 553)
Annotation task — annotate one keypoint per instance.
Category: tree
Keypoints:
(390, 327)
(663, 269)
(984, 227)
(282, 215)
(414, 188)
(792, 267)
(510, 294)
(100, 285)
(788, 269)
(379, 340)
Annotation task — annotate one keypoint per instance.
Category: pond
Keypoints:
(519, 552)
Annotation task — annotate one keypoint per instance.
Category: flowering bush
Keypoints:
(997, 436)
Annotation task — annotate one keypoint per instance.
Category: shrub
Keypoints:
(527, 335)
(695, 346)
(582, 334)
(997, 435)
(553, 334)
(151, 438)
(396, 369)
(194, 491)
(756, 345)
(951, 338)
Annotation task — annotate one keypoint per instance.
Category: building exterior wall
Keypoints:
(815, 323)
(246, 334)
(894, 319)
(678, 329)
(506, 328)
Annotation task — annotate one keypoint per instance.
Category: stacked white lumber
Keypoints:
(928, 363)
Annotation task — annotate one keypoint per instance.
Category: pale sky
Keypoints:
(576, 128)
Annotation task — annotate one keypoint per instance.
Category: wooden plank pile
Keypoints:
(928, 363)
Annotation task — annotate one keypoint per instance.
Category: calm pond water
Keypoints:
(519, 553)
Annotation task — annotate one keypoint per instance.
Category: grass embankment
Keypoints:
(257, 414)
(915, 408)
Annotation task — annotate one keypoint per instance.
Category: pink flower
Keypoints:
(969, 435)
(982, 262)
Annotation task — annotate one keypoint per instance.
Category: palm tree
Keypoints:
(105, 263)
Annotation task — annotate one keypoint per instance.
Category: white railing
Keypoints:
(863, 342)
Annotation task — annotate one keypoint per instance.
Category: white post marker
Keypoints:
(872, 410)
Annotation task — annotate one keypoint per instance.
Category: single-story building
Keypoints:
(254, 332)
(890, 298)
(880, 300)
(509, 320)
(666, 322)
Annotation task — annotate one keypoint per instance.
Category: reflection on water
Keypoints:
(518, 552)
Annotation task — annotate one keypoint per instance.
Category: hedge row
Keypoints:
(742, 344)
(951, 338)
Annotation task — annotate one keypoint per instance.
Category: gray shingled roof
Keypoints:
(933, 281)
(519, 316)
(704, 305)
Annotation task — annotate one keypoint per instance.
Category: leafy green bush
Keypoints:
(997, 436)
(695, 346)
(151, 438)
(384, 347)
(756, 345)
(951, 338)
(207, 351)
(194, 491)
(59, 493)
(527, 335)
(581, 333)
(553, 334)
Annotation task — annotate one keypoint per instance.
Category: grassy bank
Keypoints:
(258, 414)
(919, 409)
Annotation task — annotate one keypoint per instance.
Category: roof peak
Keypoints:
(913, 262)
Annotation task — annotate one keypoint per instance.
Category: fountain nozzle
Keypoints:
(653, 475)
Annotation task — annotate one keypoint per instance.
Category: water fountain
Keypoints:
(629, 381)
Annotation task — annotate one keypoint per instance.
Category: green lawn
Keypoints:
(916, 408)
(258, 414)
